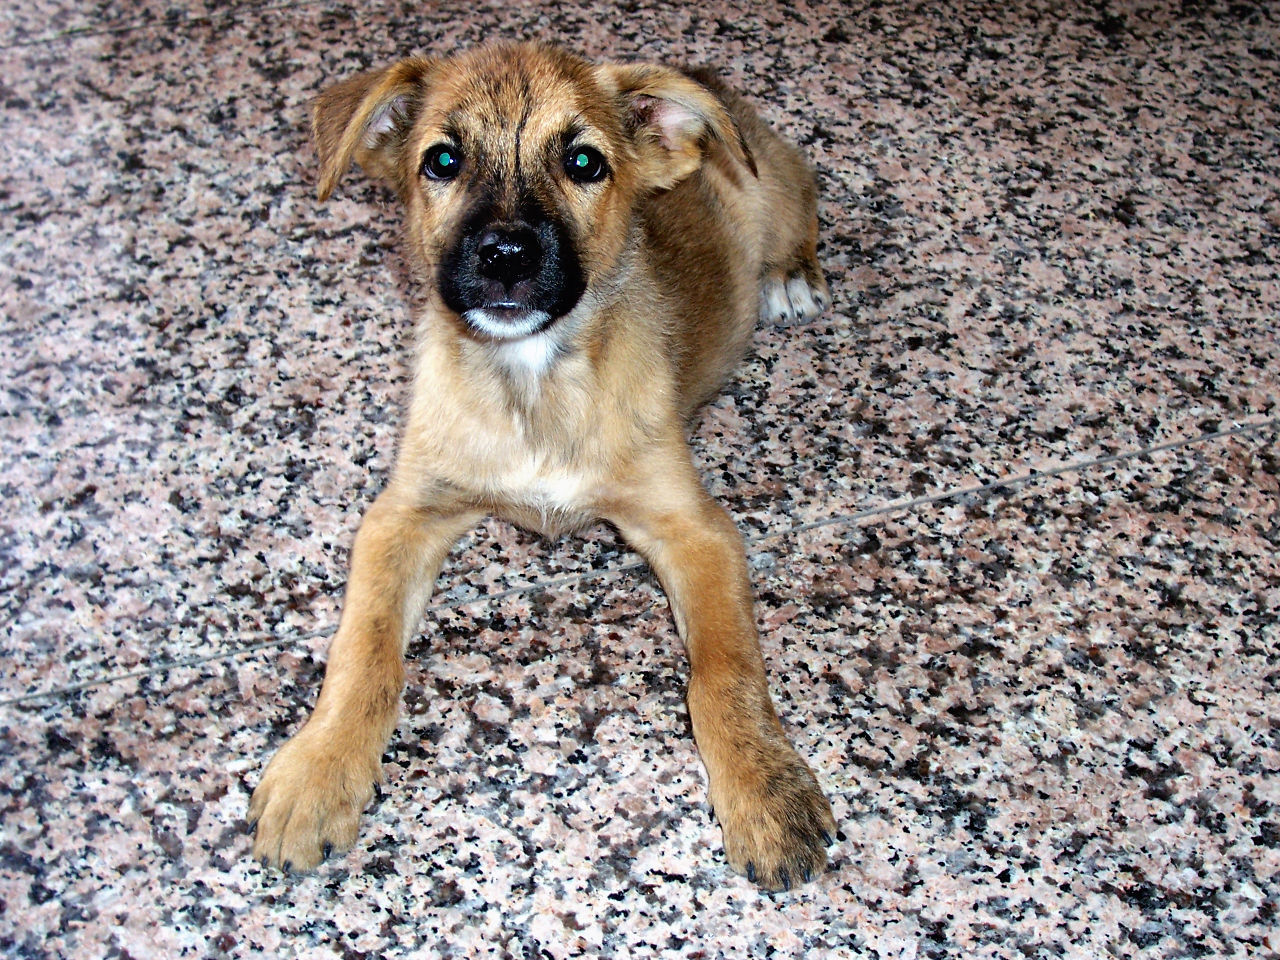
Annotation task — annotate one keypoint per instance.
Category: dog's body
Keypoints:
(598, 241)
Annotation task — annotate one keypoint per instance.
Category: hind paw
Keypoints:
(787, 299)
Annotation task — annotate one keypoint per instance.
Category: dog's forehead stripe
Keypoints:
(505, 85)
(514, 119)
(518, 116)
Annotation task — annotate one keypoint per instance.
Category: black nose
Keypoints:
(509, 255)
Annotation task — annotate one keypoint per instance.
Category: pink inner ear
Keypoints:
(385, 119)
(675, 124)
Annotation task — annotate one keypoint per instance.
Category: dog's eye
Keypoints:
(442, 162)
(585, 165)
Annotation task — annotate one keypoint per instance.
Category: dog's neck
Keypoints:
(530, 363)
(545, 380)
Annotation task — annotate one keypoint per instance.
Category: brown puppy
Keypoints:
(597, 241)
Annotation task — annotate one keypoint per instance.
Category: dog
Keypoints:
(595, 242)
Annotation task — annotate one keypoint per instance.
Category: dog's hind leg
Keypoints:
(312, 793)
(776, 821)
(795, 290)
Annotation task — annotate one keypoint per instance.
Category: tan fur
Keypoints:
(703, 209)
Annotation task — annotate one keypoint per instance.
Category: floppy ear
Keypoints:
(674, 120)
(366, 118)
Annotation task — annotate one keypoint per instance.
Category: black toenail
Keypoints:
(751, 872)
(785, 877)
(288, 866)
(328, 849)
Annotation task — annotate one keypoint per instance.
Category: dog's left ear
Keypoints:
(674, 119)
(367, 119)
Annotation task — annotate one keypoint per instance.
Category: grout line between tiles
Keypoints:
(604, 576)
(1022, 479)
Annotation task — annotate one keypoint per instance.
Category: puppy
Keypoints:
(596, 242)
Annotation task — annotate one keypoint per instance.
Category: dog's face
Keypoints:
(523, 192)
(521, 168)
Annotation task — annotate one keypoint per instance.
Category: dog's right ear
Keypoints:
(367, 119)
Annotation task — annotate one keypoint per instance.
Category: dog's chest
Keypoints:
(541, 496)
(535, 445)
(542, 476)
(536, 484)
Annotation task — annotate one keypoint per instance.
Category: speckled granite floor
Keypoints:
(1011, 504)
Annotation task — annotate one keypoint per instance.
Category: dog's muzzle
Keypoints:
(514, 279)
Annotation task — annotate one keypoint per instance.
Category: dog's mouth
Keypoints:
(506, 321)
(511, 279)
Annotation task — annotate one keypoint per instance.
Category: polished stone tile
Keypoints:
(206, 365)
(1043, 710)
(1044, 718)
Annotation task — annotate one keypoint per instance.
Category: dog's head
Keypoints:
(521, 167)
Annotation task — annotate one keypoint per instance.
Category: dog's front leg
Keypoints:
(312, 793)
(776, 821)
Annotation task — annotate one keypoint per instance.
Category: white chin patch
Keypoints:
(528, 355)
(506, 324)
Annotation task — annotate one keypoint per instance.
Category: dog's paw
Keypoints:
(777, 832)
(790, 298)
(309, 801)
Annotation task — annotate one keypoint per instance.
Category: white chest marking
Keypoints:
(549, 491)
